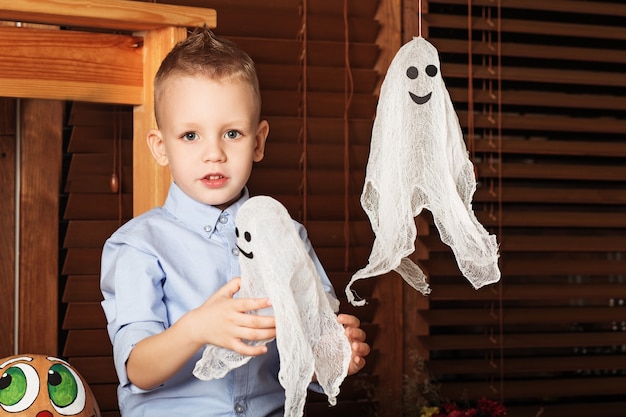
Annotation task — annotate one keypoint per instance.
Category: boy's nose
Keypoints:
(213, 151)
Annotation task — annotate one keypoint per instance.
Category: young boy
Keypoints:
(167, 275)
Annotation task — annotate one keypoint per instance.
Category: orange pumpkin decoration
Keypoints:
(44, 386)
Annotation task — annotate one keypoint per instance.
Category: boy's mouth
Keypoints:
(215, 180)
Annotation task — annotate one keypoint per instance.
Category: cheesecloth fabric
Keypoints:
(275, 264)
(418, 160)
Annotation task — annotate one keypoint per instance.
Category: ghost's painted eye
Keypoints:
(66, 390)
(247, 236)
(236, 232)
(431, 70)
(19, 387)
(412, 73)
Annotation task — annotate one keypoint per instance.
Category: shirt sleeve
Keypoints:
(126, 272)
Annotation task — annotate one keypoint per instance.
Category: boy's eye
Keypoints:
(232, 134)
(189, 136)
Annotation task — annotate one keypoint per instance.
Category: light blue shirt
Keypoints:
(157, 267)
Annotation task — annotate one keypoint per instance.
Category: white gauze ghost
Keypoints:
(418, 160)
(275, 264)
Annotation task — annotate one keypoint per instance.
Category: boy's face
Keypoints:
(209, 135)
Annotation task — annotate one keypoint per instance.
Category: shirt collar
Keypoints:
(200, 217)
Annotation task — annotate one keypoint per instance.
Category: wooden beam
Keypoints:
(42, 135)
(79, 66)
(106, 14)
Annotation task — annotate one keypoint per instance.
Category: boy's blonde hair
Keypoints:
(204, 54)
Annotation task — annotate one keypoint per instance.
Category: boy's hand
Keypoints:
(223, 321)
(356, 336)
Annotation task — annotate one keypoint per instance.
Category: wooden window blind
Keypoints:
(540, 90)
(316, 62)
(99, 144)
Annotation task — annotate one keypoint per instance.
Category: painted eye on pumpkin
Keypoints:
(66, 390)
(19, 387)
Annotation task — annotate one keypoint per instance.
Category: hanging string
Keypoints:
(470, 83)
(116, 182)
(500, 286)
(419, 18)
(303, 111)
(348, 94)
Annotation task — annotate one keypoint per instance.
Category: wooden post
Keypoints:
(150, 181)
(42, 136)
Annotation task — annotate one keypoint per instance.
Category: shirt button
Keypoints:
(223, 219)
(207, 228)
(235, 251)
(239, 409)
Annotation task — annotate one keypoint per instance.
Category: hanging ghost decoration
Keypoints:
(39, 385)
(418, 160)
(275, 264)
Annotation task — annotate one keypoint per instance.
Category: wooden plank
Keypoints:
(274, 181)
(539, 146)
(600, 196)
(106, 395)
(521, 365)
(88, 233)
(319, 156)
(541, 99)
(320, 53)
(106, 14)
(328, 79)
(42, 137)
(82, 288)
(577, 219)
(573, 388)
(82, 261)
(8, 160)
(321, 130)
(522, 26)
(333, 258)
(537, 75)
(286, 25)
(95, 206)
(90, 164)
(566, 6)
(320, 104)
(100, 139)
(554, 171)
(564, 243)
(520, 50)
(75, 69)
(84, 315)
(538, 267)
(87, 343)
(96, 369)
(534, 315)
(528, 292)
(459, 341)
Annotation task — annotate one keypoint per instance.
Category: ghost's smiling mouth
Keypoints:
(244, 253)
(420, 99)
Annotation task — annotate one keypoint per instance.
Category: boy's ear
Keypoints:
(261, 136)
(157, 147)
